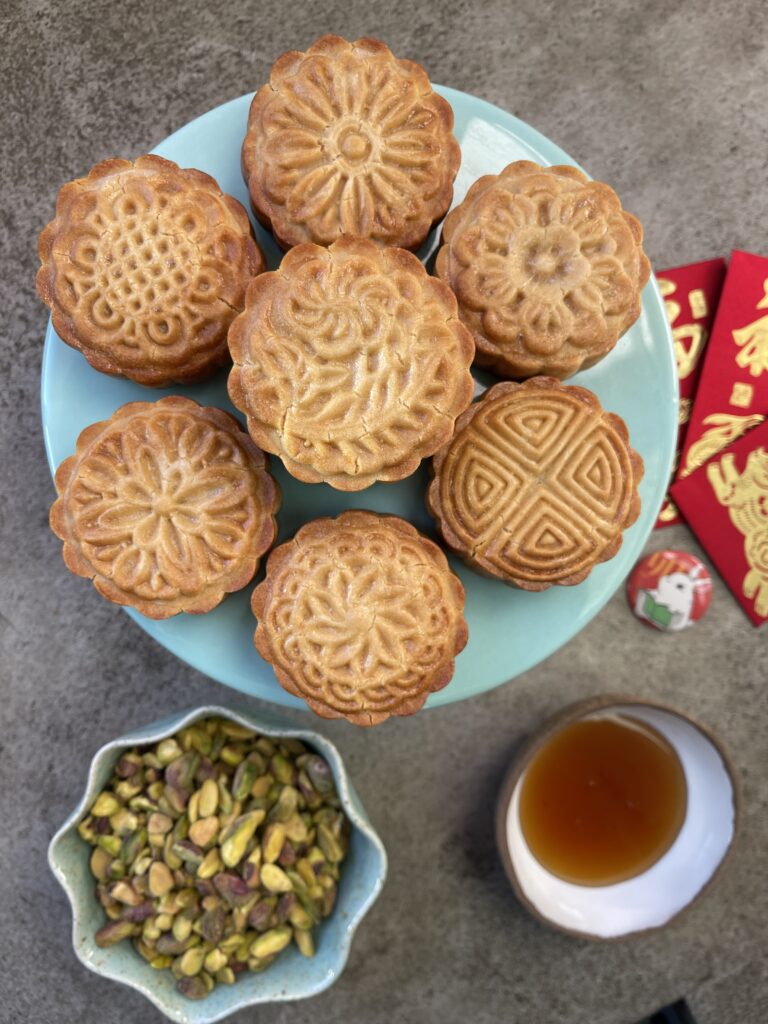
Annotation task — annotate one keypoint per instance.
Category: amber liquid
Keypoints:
(602, 800)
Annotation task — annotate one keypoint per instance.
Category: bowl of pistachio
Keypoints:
(218, 860)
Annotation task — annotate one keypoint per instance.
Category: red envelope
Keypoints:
(732, 396)
(691, 295)
(725, 502)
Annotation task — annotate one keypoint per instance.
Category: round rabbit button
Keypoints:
(669, 590)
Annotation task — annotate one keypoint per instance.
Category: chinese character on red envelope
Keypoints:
(732, 396)
(725, 502)
(690, 296)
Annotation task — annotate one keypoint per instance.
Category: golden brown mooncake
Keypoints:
(166, 506)
(350, 363)
(360, 616)
(347, 139)
(537, 484)
(547, 267)
(144, 268)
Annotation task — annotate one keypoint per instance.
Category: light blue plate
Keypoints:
(509, 630)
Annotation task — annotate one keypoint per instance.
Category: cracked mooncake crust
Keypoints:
(144, 268)
(166, 506)
(537, 484)
(348, 139)
(350, 363)
(360, 616)
(547, 267)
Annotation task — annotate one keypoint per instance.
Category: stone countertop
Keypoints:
(665, 101)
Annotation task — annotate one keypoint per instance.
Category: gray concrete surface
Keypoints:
(665, 100)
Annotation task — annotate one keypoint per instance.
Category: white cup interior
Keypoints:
(652, 898)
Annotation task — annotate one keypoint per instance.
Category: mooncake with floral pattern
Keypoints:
(166, 506)
(547, 267)
(348, 139)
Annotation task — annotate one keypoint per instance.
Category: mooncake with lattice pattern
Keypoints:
(537, 484)
(348, 139)
(547, 267)
(166, 506)
(144, 268)
(350, 363)
(360, 616)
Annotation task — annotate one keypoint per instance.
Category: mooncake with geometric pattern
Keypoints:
(360, 616)
(347, 139)
(537, 484)
(547, 267)
(350, 363)
(144, 268)
(166, 506)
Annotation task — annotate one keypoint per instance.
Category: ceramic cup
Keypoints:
(656, 896)
(292, 976)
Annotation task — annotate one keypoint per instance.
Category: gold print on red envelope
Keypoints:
(689, 339)
(723, 429)
(725, 502)
(690, 297)
(745, 495)
(753, 340)
(732, 396)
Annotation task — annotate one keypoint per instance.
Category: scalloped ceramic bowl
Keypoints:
(293, 976)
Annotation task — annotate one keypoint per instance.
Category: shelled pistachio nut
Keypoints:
(214, 850)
